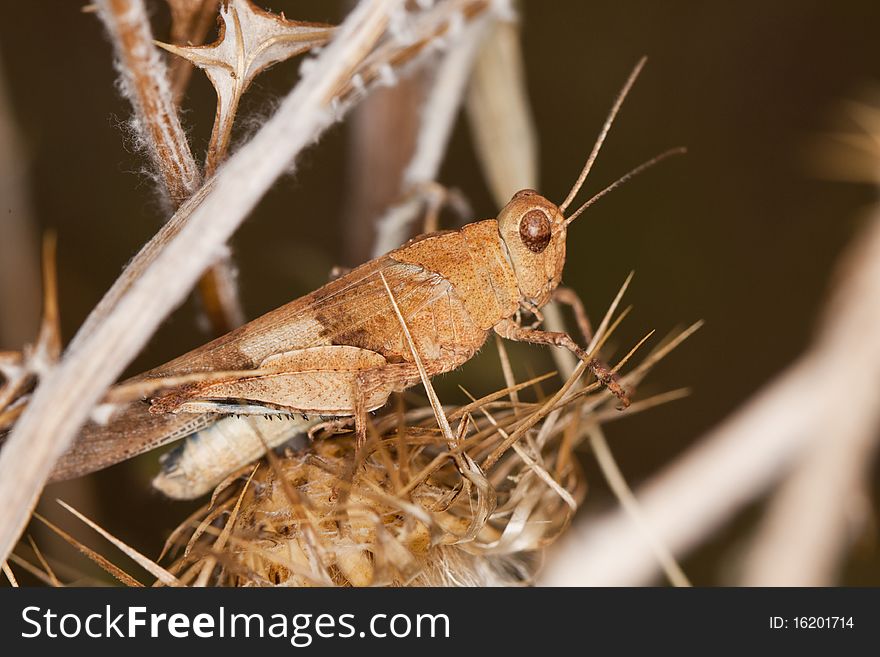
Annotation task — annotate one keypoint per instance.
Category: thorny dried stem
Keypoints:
(146, 85)
(250, 41)
(160, 276)
(190, 22)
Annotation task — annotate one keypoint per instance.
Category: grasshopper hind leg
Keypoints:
(235, 407)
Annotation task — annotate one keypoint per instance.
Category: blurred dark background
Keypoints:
(739, 232)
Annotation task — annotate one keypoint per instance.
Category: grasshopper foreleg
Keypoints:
(509, 329)
(571, 299)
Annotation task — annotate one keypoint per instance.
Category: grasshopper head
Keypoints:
(533, 229)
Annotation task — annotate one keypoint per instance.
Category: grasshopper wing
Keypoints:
(352, 310)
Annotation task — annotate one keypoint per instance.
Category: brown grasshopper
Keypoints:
(341, 351)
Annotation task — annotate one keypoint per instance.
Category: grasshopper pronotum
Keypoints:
(340, 351)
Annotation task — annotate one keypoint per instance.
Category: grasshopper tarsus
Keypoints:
(610, 380)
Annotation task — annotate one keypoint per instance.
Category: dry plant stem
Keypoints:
(30, 568)
(250, 40)
(165, 270)
(497, 106)
(438, 118)
(190, 22)
(218, 293)
(45, 564)
(147, 564)
(817, 512)
(9, 574)
(824, 503)
(381, 138)
(622, 491)
(108, 567)
(829, 396)
(38, 357)
(145, 83)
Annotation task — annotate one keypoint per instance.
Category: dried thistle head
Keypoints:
(400, 511)
(410, 507)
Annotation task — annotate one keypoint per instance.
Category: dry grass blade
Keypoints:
(600, 333)
(542, 473)
(507, 370)
(498, 394)
(611, 470)
(467, 467)
(32, 569)
(52, 578)
(110, 568)
(174, 538)
(426, 380)
(660, 353)
(9, 574)
(48, 347)
(623, 361)
(534, 418)
(630, 504)
(220, 543)
(208, 519)
(147, 564)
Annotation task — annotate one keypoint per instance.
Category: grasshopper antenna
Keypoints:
(603, 133)
(632, 174)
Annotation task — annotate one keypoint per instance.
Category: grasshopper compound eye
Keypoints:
(534, 231)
